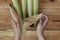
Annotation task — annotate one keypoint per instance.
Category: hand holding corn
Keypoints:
(27, 6)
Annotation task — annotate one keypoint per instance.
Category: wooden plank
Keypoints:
(49, 1)
(42, 3)
(5, 22)
(8, 1)
(53, 25)
(50, 35)
(50, 11)
(4, 0)
(4, 14)
(54, 17)
(31, 35)
(5, 18)
(49, 4)
(53, 14)
(4, 4)
(5, 25)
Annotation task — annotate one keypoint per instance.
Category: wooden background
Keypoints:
(48, 7)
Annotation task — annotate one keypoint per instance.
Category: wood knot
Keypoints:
(52, 0)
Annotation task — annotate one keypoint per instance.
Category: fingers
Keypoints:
(40, 27)
(42, 23)
(17, 30)
(44, 20)
(40, 32)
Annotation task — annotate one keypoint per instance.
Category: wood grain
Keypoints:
(52, 13)
(51, 9)
(31, 35)
(53, 25)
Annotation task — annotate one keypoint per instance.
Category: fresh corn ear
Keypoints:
(35, 7)
(30, 6)
(24, 8)
(17, 7)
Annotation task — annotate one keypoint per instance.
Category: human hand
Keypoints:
(40, 27)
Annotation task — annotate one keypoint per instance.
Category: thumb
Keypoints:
(44, 20)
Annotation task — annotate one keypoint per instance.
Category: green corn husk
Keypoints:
(30, 6)
(17, 7)
(24, 7)
(35, 7)
(15, 16)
